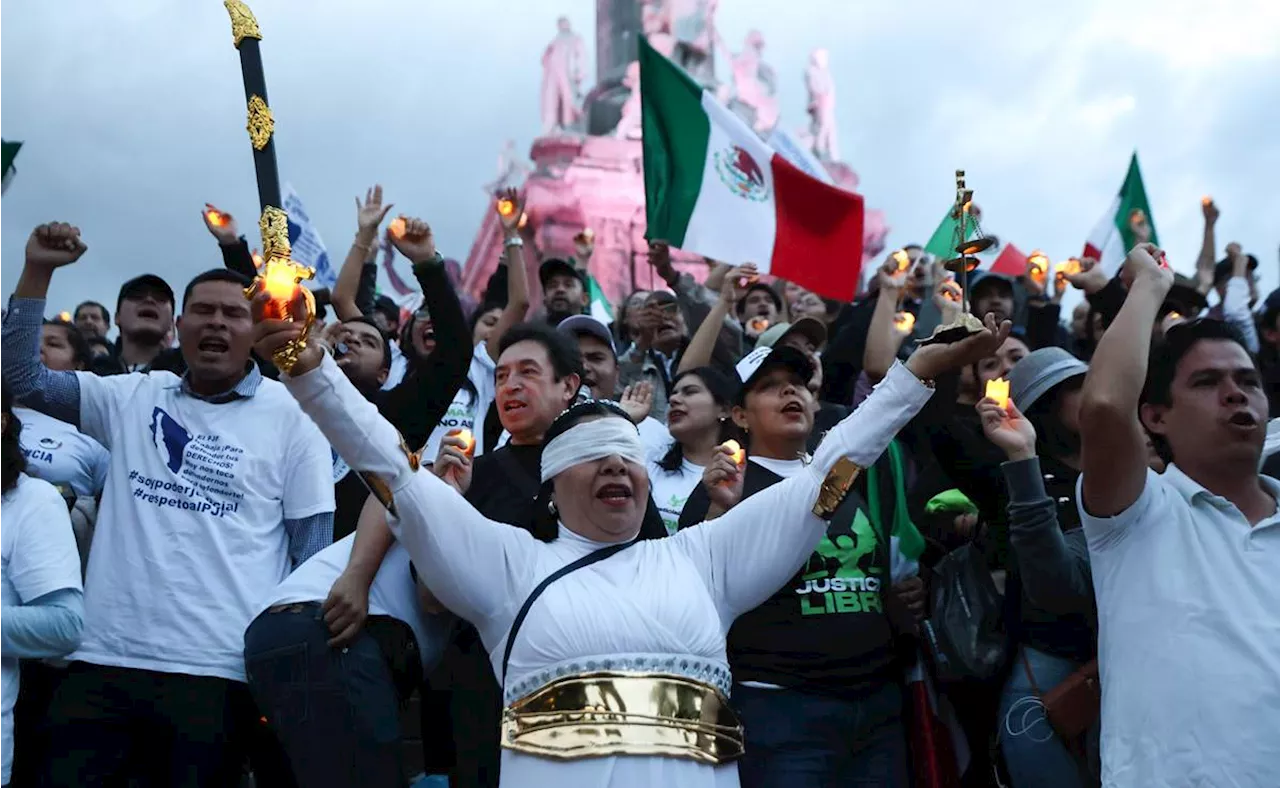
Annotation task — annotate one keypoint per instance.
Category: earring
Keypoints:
(551, 509)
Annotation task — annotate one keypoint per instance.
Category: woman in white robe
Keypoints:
(618, 675)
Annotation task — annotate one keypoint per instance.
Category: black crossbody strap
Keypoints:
(586, 560)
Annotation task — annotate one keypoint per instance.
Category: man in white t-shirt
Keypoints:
(218, 485)
(1184, 563)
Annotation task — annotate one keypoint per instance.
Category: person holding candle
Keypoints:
(817, 681)
(592, 620)
(1049, 586)
(217, 486)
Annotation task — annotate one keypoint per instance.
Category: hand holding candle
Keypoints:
(757, 325)
(1038, 267)
(736, 451)
(998, 391)
(902, 259)
(467, 440)
(904, 323)
(221, 225)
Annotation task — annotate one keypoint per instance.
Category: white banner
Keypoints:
(794, 151)
(305, 241)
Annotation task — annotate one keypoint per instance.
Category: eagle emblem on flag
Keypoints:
(741, 173)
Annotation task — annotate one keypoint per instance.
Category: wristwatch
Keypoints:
(514, 240)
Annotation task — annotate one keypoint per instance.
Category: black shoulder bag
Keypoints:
(584, 561)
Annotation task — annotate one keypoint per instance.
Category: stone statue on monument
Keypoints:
(755, 85)
(629, 127)
(512, 170)
(692, 24)
(822, 106)
(656, 26)
(562, 67)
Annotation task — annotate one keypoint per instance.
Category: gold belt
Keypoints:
(598, 714)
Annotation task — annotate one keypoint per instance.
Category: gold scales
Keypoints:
(966, 223)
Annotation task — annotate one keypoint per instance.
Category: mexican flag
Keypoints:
(1113, 237)
(713, 187)
(599, 307)
(1010, 262)
(942, 244)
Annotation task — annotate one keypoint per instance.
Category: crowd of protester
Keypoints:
(201, 589)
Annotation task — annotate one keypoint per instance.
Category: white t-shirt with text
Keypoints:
(37, 557)
(190, 535)
(671, 489)
(60, 454)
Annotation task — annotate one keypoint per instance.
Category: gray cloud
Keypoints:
(132, 115)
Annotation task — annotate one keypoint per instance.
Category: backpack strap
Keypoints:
(584, 561)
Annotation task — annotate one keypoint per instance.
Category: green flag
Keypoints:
(10, 152)
(942, 245)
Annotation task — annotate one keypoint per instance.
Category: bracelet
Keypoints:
(514, 240)
(357, 245)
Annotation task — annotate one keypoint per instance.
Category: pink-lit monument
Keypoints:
(587, 169)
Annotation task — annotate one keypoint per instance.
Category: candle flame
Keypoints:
(279, 280)
(506, 208)
(904, 322)
(1206, 200)
(64, 317)
(216, 218)
(758, 324)
(902, 259)
(1069, 267)
(468, 440)
(998, 390)
(397, 227)
(739, 456)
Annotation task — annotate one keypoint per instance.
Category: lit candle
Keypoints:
(216, 218)
(758, 324)
(1038, 263)
(902, 259)
(904, 322)
(64, 317)
(397, 227)
(1068, 268)
(998, 390)
(468, 440)
(1174, 317)
(952, 292)
(506, 208)
(739, 456)
(1206, 200)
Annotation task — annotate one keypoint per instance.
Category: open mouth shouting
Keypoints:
(675, 414)
(794, 409)
(514, 406)
(614, 494)
(148, 312)
(213, 346)
(1243, 422)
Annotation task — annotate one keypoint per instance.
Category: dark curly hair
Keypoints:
(12, 461)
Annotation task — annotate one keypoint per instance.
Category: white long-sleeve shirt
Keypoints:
(660, 606)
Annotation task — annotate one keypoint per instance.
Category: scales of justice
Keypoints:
(967, 250)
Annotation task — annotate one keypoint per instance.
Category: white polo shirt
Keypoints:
(1189, 638)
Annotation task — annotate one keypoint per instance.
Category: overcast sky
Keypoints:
(132, 115)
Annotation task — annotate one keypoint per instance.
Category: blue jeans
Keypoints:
(794, 738)
(334, 709)
(1033, 753)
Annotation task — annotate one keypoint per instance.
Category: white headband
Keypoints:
(592, 440)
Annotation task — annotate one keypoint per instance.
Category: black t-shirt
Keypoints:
(825, 631)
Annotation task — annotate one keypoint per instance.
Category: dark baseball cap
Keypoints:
(147, 283)
(554, 266)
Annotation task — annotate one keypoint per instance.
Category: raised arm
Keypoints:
(57, 394)
(703, 344)
(750, 551)
(1204, 263)
(1235, 303)
(1114, 450)
(473, 565)
(1055, 571)
(421, 400)
(884, 337)
(235, 249)
(369, 214)
(517, 276)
